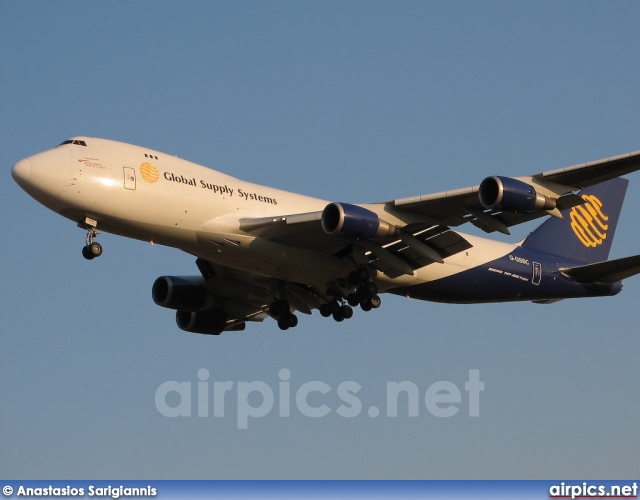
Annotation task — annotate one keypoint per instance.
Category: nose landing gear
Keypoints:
(92, 249)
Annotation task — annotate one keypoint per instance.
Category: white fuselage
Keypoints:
(147, 195)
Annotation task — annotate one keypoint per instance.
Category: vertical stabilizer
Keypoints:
(586, 231)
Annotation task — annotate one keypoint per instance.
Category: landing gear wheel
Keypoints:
(86, 253)
(363, 275)
(353, 299)
(95, 249)
(371, 288)
(375, 301)
(347, 312)
(366, 305)
(338, 316)
(325, 310)
(91, 249)
(284, 323)
(293, 321)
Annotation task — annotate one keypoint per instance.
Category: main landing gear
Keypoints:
(281, 310)
(357, 290)
(338, 310)
(365, 295)
(92, 249)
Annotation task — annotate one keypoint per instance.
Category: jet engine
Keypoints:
(512, 195)
(205, 322)
(179, 292)
(194, 306)
(354, 221)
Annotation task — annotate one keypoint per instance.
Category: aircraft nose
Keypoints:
(21, 171)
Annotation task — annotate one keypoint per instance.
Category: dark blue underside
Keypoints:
(509, 278)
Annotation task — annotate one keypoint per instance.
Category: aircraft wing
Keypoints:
(246, 296)
(595, 172)
(424, 235)
(453, 208)
(415, 246)
(299, 230)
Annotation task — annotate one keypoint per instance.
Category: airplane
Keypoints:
(263, 252)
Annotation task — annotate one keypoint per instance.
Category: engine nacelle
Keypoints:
(205, 322)
(354, 221)
(179, 292)
(512, 195)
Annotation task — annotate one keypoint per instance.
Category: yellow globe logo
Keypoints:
(149, 172)
(588, 222)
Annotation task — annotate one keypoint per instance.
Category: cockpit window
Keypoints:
(73, 141)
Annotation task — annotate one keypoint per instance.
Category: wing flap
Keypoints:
(440, 239)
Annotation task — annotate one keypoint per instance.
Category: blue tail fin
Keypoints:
(585, 232)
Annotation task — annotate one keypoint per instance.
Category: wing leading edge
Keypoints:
(423, 222)
(456, 207)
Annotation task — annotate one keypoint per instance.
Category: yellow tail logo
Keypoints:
(149, 172)
(588, 221)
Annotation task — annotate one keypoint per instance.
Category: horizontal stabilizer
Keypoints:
(605, 272)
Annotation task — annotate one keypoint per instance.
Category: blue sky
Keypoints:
(349, 101)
